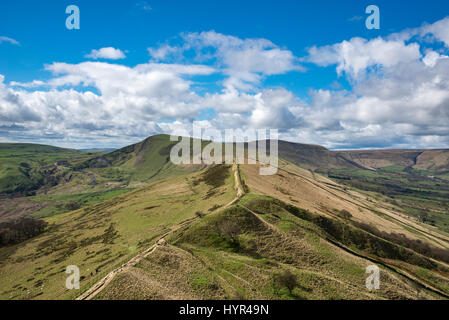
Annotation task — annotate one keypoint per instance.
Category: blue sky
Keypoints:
(308, 96)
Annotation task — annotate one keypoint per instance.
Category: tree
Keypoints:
(288, 280)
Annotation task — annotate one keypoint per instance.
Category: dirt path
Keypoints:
(238, 186)
(100, 285)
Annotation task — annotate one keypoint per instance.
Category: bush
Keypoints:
(199, 214)
(345, 214)
(230, 230)
(215, 207)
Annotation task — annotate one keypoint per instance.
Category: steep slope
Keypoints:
(216, 266)
(326, 198)
(433, 160)
(141, 162)
(321, 159)
(315, 157)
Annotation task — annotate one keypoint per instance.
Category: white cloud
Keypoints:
(9, 40)
(432, 58)
(355, 56)
(106, 53)
(244, 61)
(32, 84)
(399, 95)
(127, 107)
(163, 52)
(439, 30)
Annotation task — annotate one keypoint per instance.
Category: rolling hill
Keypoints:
(321, 159)
(139, 227)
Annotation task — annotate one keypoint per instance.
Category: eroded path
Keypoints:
(100, 285)
(238, 186)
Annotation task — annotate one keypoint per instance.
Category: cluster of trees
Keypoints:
(20, 230)
(413, 244)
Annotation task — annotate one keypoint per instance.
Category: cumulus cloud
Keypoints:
(432, 58)
(127, 106)
(355, 56)
(398, 95)
(407, 105)
(244, 61)
(106, 53)
(429, 32)
(439, 30)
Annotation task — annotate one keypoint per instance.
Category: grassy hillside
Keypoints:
(140, 227)
(47, 180)
(244, 251)
(100, 237)
(314, 157)
(321, 159)
(414, 180)
(27, 167)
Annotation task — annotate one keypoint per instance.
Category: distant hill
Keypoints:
(21, 165)
(105, 150)
(315, 157)
(27, 167)
(142, 161)
(321, 159)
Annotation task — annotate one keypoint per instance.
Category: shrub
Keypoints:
(20, 230)
(215, 207)
(215, 176)
(229, 229)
